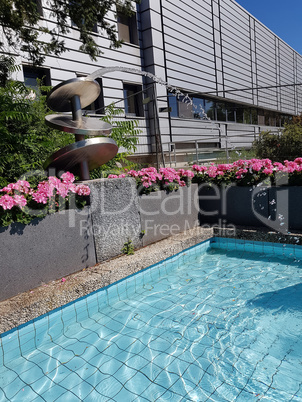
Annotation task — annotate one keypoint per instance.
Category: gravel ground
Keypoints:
(26, 306)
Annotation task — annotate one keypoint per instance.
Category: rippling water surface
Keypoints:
(205, 326)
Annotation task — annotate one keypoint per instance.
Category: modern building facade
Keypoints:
(235, 78)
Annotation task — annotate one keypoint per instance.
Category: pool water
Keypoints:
(221, 321)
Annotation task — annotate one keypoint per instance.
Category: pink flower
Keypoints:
(268, 171)
(199, 169)
(112, 176)
(256, 166)
(133, 173)
(72, 187)
(40, 197)
(9, 188)
(20, 200)
(54, 181)
(212, 171)
(68, 177)
(81, 189)
(22, 186)
(7, 202)
(62, 189)
(278, 166)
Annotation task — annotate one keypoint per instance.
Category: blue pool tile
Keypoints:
(10, 347)
(124, 395)
(43, 384)
(82, 390)
(110, 367)
(138, 383)
(67, 397)
(12, 389)
(188, 323)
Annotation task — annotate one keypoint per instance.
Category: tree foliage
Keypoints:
(20, 23)
(286, 145)
(125, 133)
(25, 140)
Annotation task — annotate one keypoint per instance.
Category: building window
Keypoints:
(98, 106)
(254, 116)
(173, 105)
(133, 100)
(198, 108)
(185, 108)
(223, 111)
(32, 74)
(209, 108)
(220, 111)
(127, 28)
(39, 7)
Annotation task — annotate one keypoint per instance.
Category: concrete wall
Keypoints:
(275, 208)
(45, 250)
(66, 242)
(164, 215)
(115, 216)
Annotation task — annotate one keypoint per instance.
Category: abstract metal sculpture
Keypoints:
(85, 154)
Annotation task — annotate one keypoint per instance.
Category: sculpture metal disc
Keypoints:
(60, 96)
(94, 151)
(87, 126)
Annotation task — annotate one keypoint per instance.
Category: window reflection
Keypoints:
(173, 105)
(198, 108)
(220, 111)
(209, 108)
(224, 111)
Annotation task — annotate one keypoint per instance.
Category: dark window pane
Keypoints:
(261, 119)
(247, 116)
(39, 7)
(133, 100)
(220, 111)
(239, 114)
(173, 105)
(98, 105)
(254, 116)
(209, 108)
(32, 74)
(266, 118)
(272, 120)
(230, 112)
(127, 28)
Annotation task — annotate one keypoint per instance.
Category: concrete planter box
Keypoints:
(165, 214)
(232, 205)
(115, 215)
(45, 250)
(286, 207)
(277, 208)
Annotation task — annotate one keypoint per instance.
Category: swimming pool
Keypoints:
(221, 321)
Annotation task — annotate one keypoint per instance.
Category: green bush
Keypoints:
(25, 140)
(280, 147)
(125, 133)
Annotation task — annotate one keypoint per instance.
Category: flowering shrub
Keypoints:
(251, 172)
(149, 179)
(21, 203)
(242, 172)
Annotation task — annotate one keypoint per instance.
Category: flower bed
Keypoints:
(242, 172)
(19, 202)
